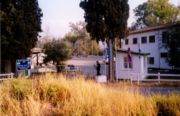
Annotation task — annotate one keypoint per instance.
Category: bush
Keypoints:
(168, 105)
(21, 88)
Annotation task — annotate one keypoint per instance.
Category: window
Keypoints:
(144, 40)
(130, 65)
(151, 60)
(126, 42)
(165, 37)
(134, 40)
(152, 39)
(164, 55)
(127, 64)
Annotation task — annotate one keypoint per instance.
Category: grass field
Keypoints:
(53, 95)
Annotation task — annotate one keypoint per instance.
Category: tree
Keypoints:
(20, 25)
(156, 12)
(141, 12)
(58, 52)
(72, 39)
(44, 39)
(80, 40)
(79, 29)
(92, 47)
(174, 46)
(106, 20)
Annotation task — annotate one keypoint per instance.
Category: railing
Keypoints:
(158, 79)
(6, 76)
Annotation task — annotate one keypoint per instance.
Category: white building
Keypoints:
(131, 70)
(37, 56)
(150, 40)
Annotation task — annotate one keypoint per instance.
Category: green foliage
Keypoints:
(92, 47)
(106, 18)
(174, 46)
(156, 12)
(57, 51)
(81, 44)
(79, 30)
(141, 12)
(21, 88)
(71, 37)
(20, 25)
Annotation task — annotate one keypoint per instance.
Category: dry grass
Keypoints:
(53, 95)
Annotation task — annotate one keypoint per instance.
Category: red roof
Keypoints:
(153, 28)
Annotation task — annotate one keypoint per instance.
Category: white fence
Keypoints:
(138, 77)
(6, 76)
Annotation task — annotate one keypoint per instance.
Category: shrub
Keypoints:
(168, 105)
(20, 88)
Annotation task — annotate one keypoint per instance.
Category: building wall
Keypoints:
(139, 66)
(33, 59)
(155, 49)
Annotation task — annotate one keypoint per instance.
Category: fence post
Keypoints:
(138, 78)
(159, 76)
(11, 75)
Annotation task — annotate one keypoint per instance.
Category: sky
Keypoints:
(57, 14)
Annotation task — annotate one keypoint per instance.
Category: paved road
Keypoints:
(83, 61)
(87, 64)
(159, 90)
(165, 90)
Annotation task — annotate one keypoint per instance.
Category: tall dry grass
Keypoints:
(53, 95)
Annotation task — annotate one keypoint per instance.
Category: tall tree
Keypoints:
(20, 24)
(106, 20)
(173, 45)
(156, 12)
(141, 12)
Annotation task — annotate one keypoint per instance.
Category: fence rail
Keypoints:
(6, 76)
(158, 79)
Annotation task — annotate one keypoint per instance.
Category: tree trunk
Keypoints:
(7, 67)
(111, 75)
(13, 66)
(58, 67)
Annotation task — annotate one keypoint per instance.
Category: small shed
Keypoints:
(37, 56)
(134, 70)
